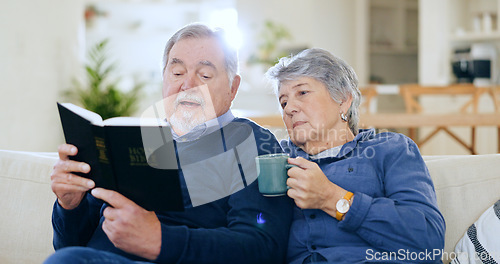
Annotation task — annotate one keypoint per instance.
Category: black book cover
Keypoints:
(118, 161)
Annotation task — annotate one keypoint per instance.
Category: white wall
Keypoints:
(39, 52)
(434, 58)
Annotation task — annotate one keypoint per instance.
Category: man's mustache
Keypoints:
(190, 97)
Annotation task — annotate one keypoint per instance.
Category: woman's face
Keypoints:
(310, 114)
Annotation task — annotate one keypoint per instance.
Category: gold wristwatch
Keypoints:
(343, 206)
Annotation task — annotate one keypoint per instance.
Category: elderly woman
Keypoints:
(360, 196)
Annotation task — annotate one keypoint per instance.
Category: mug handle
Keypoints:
(287, 167)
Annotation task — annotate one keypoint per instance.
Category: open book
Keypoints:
(119, 160)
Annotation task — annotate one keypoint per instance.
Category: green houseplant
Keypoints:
(100, 93)
(270, 37)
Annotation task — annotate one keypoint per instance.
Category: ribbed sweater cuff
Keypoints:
(357, 213)
(174, 240)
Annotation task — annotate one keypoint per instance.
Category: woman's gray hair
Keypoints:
(338, 77)
(198, 31)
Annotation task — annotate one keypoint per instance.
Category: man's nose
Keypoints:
(191, 81)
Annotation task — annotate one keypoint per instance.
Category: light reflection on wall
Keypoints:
(227, 19)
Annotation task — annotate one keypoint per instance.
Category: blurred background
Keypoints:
(46, 43)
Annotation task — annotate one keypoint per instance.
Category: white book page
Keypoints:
(134, 121)
(89, 115)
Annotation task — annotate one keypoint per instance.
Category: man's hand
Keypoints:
(130, 227)
(68, 187)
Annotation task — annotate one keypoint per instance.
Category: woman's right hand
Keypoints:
(311, 189)
(68, 187)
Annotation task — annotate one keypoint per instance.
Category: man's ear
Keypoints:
(235, 85)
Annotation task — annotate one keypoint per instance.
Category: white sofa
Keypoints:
(466, 186)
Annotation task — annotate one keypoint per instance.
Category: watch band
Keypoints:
(347, 197)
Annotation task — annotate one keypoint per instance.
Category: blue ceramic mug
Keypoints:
(272, 173)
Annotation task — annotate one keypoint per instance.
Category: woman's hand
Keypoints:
(310, 188)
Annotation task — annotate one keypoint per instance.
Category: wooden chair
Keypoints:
(410, 92)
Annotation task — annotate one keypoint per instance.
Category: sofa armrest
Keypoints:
(26, 201)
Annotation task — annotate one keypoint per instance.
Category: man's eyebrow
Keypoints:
(203, 63)
(208, 63)
(176, 61)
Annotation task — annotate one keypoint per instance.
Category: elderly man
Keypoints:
(240, 226)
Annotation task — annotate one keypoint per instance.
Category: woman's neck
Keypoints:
(331, 140)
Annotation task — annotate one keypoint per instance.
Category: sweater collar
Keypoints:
(346, 149)
(205, 128)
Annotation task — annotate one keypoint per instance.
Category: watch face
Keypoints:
(343, 206)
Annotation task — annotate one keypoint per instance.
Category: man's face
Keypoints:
(196, 87)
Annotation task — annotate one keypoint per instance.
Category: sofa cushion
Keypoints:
(26, 201)
(481, 242)
(465, 187)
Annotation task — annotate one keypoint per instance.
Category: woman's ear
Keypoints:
(344, 106)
